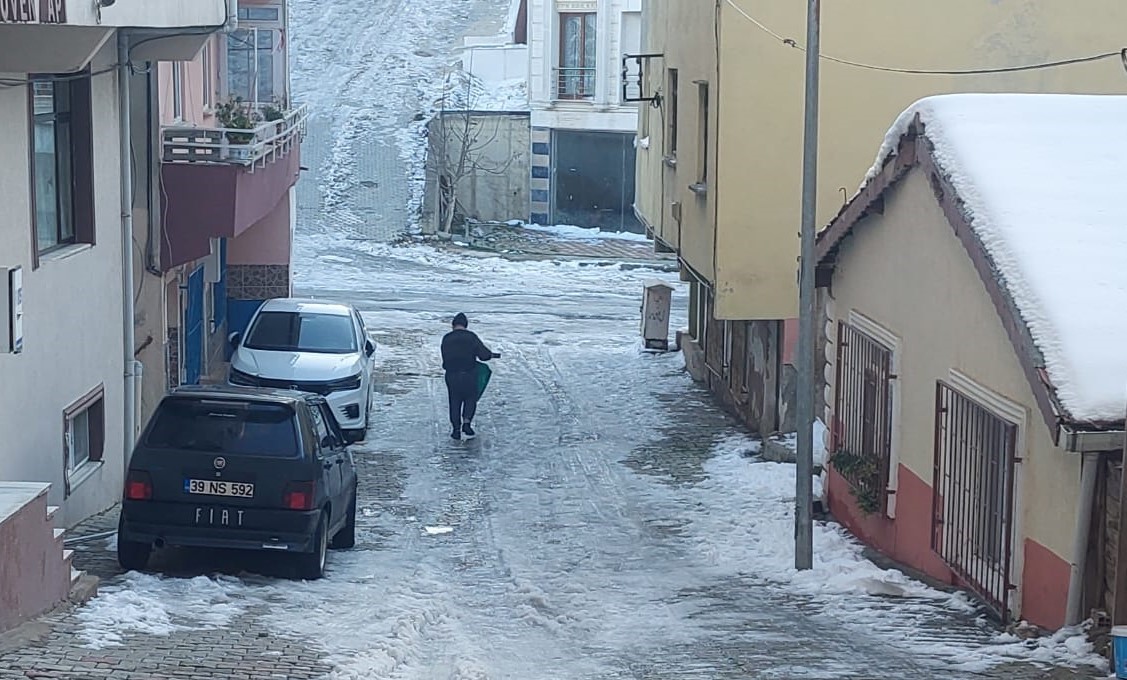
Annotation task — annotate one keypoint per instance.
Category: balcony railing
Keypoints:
(252, 148)
(571, 83)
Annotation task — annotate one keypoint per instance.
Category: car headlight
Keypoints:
(352, 382)
(237, 377)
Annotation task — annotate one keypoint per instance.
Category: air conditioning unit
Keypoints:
(212, 266)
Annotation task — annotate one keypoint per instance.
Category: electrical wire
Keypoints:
(791, 42)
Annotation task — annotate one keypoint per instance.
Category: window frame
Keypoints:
(279, 63)
(586, 80)
(178, 91)
(80, 147)
(702, 133)
(208, 77)
(93, 406)
(672, 80)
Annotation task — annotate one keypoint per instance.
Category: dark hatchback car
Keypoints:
(248, 469)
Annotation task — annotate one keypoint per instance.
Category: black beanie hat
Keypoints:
(461, 320)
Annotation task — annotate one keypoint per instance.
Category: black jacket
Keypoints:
(461, 349)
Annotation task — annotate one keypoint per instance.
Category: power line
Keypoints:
(790, 42)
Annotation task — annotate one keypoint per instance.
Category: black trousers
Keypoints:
(462, 390)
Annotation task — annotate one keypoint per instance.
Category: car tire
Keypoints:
(346, 537)
(311, 566)
(132, 555)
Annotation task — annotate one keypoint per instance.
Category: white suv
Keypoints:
(319, 347)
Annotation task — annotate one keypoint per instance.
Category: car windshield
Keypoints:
(228, 427)
(302, 332)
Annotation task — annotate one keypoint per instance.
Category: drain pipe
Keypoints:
(1090, 466)
(125, 123)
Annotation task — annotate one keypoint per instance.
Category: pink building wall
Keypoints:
(267, 241)
(191, 88)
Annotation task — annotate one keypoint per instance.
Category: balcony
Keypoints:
(250, 148)
(573, 83)
(218, 182)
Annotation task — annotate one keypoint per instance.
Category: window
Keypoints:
(320, 424)
(250, 64)
(208, 78)
(61, 161)
(671, 115)
(178, 90)
(84, 428)
(972, 501)
(260, 14)
(863, 410)
(576, 74)
(702, 139)
(298, 332)
(224, 427)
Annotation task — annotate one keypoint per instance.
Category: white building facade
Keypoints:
(583, 130)
(66, 380)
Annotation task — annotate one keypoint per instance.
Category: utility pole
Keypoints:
(804, 472)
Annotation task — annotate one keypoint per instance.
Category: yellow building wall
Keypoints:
(907, 271)
(761, 107)
(681, 31)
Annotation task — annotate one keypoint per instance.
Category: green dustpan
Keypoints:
(483, 373)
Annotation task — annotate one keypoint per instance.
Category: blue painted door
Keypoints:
(194, 328)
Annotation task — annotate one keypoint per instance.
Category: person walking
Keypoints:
(461, 350)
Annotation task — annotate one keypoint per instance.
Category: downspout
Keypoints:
(1088, 475)
(128, 341)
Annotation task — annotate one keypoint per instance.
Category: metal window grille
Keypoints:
(863, 409)
(972, 503)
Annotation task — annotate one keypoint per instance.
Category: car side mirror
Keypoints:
(353, 437)
(369, 348)
(235, 338)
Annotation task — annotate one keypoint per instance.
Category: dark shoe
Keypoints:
(468, 431)
(456, 434)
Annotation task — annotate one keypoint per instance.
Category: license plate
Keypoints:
(214, 487)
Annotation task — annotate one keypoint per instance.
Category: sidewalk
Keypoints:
(516, 242)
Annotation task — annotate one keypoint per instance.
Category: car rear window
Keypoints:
(229, 427)
(299, 332)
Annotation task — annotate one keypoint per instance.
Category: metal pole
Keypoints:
(125, 149)
(804, 473)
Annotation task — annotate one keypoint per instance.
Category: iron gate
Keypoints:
(863, 413)
(972, 501)
(194, 328)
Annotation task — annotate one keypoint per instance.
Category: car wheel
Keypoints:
(311, 566)
(346, 537)
(132, 555)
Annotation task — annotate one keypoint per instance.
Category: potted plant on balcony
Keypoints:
(273, 113)
(233, 115)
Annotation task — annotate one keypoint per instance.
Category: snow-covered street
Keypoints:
(608, 522)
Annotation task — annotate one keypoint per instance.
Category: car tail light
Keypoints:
(298, 496)
(138, 486)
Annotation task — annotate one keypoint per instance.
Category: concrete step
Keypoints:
(68, 555)
(59, 533)
(52, 510)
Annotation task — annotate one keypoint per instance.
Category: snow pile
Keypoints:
(152, 605)
(465, 91)
(745, 525)
(573, 233)
(1040, 176)
(821, 434)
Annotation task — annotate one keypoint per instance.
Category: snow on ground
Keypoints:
(465, 91)
(821, 435)
(154, 605)
(745, 524)
(1037, 175)
(573, 233)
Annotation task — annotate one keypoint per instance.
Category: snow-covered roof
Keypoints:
(1041, 179)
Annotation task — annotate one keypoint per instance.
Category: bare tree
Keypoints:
(460, 150)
